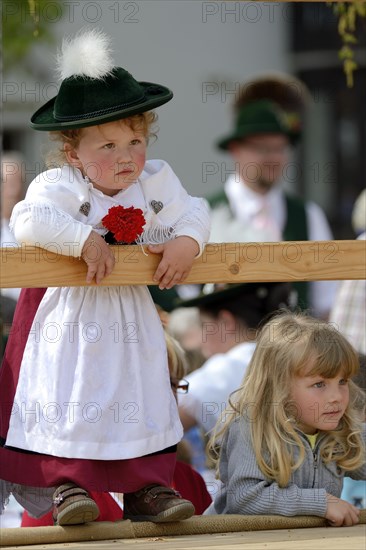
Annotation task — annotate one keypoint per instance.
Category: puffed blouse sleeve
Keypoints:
(173, 212)
(51, 215)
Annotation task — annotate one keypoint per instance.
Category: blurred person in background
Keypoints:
(349, 310)
(253, 206)
(349, 317)
(184, 325)
(230, 315)
(12, 191)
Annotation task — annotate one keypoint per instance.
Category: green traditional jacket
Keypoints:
(296, 229)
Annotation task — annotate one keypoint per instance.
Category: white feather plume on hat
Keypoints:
(88, 54)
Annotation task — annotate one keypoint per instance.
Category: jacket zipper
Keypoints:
(315, 464)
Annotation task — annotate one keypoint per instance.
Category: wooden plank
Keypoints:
(28, 266)
(256, 528)
(318, 538)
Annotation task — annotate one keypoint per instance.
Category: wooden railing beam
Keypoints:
(28, 266)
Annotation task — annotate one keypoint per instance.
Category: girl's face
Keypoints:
(319, 403)
(111, 155)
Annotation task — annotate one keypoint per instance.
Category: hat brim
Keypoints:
(250, 130)
(44, 119)
(217, 296)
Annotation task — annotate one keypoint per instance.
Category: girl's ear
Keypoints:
(72, 156)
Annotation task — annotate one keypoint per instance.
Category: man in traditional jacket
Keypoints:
(253, 207)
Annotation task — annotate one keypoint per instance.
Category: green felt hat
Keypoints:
(262, 117)
(93, 90)
(257, 294)
(84, 101)
(250, 303)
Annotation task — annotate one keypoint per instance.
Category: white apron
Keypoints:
(94, 380)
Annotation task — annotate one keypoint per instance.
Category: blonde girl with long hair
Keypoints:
(294, 428)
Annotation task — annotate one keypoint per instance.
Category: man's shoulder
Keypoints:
(218, 199)
(294, 200)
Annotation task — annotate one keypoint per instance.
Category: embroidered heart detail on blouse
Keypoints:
(85, 208)
(156, 206)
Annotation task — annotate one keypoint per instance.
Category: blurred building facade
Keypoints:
(334, 146)
(204, 51)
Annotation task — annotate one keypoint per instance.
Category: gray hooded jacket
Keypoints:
(245, 490)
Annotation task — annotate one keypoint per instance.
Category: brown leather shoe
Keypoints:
(156, 503)
(73, 505)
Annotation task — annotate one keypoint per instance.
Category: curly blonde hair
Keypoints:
(287, 345)
(141, 123)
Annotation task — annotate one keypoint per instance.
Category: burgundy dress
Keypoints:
(187, 482)
(40, 470)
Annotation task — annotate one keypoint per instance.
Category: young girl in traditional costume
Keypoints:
(86, 402)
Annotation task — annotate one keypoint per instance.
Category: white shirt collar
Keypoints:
(246, 203)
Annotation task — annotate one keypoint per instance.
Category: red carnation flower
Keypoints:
(126, 224)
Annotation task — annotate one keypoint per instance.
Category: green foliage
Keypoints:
(348, 14)
(24, 23)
